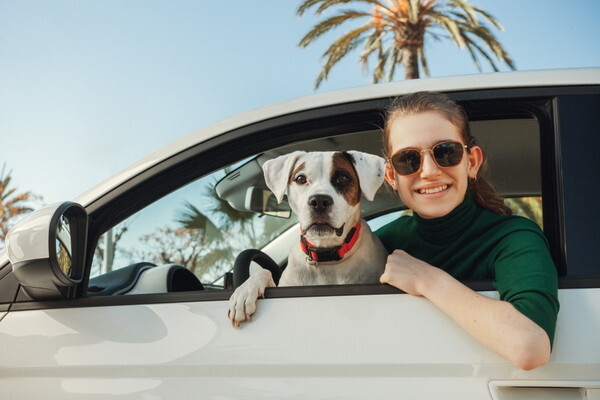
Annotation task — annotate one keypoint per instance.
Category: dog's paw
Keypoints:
(242, 304)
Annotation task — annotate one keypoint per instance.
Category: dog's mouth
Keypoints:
(323, 228)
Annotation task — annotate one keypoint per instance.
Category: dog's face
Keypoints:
(324, 189)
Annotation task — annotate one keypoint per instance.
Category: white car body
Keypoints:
(309, 344)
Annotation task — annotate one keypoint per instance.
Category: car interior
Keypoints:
(511, 144)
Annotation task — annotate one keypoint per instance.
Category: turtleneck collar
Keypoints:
(450, 226)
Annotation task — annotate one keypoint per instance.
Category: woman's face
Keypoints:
(433, 191)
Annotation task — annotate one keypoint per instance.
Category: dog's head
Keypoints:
(324, 188)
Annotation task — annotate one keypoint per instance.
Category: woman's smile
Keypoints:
(433, 190)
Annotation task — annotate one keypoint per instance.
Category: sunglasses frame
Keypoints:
(389, 160)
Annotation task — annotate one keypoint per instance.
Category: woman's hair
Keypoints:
(481, 189)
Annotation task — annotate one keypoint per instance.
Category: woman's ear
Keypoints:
(390, 177)
(475, 157)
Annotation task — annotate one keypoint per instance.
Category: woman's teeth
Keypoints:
(433, 190)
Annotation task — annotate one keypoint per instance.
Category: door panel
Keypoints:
(313, 347)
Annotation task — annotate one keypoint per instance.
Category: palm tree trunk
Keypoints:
(410, 59)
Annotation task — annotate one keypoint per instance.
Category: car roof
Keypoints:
(565, 77)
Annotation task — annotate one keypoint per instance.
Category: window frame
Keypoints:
(198, 160)
(576, 123)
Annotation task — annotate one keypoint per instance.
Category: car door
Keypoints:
(350, 341)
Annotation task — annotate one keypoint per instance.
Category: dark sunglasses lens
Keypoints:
(407, 162)
(448, 154)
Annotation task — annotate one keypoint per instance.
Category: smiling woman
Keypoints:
(426, 133)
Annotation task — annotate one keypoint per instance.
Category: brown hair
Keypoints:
(481, 189)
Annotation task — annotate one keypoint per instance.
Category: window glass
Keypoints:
(192, 227)
(378, 222)
(579, 140)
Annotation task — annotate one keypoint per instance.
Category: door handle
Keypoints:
(547, 390)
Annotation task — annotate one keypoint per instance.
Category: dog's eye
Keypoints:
(341, 179)
(300, 179)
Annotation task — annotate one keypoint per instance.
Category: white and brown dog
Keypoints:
(336, 245)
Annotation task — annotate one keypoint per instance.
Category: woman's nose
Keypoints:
(429, 168)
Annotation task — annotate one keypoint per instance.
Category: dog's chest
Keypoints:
(356, 269)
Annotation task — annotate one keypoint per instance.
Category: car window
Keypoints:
(204, 225)
(192, 227)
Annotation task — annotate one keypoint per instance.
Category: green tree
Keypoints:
(395, 32)
(224, 218)
(187, 247)
(223, 232)
(530, 207)
(13, 204)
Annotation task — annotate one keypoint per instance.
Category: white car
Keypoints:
(124, 292)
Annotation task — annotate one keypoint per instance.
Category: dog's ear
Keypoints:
(277, 172)
(370, 169)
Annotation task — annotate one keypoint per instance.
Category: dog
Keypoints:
(336, 245)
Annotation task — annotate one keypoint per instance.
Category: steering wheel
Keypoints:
(241, 267)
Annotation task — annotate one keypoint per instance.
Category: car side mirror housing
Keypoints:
(47, 250)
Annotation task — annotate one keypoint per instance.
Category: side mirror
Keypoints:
(264, 202)
(47, 250)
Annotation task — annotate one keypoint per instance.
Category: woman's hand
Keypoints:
(408, 273)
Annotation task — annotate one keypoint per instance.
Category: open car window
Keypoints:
(193, 227)
(205, 224)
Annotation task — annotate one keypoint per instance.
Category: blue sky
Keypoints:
(89, 86)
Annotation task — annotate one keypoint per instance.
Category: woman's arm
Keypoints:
(494, 323)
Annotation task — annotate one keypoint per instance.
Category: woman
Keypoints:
(461, 229)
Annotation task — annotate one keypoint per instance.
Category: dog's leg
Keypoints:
(242, 303)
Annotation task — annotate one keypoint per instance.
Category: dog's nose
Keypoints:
(320, 202)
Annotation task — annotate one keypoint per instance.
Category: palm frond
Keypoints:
(339, 49)
(488, 39)
(483, 53)
(192, 218)
(329, 24)
(326, 4)
(470, 49)
(372, 43)
(489, 18)
(379, 70)
(423, 61)
(451, 26)
(470, 14)
(394, 60)
(413, 9)
(12, 203)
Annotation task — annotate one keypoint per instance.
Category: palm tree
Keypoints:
(12, 204)
(213, 230)
(395, 31)
(225, 217)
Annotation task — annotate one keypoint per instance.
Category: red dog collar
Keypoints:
(324, 254)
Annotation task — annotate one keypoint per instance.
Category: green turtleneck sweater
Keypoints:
(472, 243)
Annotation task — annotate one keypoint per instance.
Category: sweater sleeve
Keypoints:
(526, 277)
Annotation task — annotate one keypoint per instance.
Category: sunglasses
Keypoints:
(446, 154)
